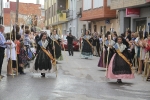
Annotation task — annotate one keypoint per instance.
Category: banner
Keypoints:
(132, 12)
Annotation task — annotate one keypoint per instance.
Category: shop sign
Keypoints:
(132, 12)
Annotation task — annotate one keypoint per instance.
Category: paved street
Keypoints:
(78, 79)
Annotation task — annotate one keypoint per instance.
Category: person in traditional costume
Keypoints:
(108, 53)
(147, 59)
(55, 42)
(87, 47)
(120, 66)
(44, 58)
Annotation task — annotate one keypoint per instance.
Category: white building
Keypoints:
(74, 25)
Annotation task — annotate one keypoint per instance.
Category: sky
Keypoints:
(27, 1)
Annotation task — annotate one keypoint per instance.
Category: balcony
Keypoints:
(118, 4)
(101, 13)
(69, 14)
(79, 13)
(59, 19)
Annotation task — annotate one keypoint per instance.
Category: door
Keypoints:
(140, 25)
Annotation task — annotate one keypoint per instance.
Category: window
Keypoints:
(89, 26)
(50, 14)
(95, 28)
(97, 3)
(87, 4)
(55, 9)
(52, 11)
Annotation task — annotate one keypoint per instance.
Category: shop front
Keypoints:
(136, 19)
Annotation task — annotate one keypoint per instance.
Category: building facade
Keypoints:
(26, 13)
(81, 25)
(55, 14)
(65, 16)
(133, 14)
(99, 16)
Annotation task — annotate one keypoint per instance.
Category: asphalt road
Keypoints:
(78, 79)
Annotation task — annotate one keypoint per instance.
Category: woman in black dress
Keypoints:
(44, 58)
(55, 42)
(87, 46)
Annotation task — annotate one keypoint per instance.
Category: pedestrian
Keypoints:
(27, 40)
(141, 51)
(94, 43)
(18, 47)
(23, 57)
(11, 56)
(120, 66)
(98, 45)
(44, 57)
(87, 47)
(22, 31)
(3, 45)
(37, 37)
(70, 44)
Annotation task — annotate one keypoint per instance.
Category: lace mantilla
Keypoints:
(87, 37)
(121, 47)
(44, 43)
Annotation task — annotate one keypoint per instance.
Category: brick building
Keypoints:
(25, 9)
(133, 14)
(98, 15)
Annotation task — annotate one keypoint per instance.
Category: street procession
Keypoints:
(74, 50)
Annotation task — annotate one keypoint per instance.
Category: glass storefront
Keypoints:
(141, 24)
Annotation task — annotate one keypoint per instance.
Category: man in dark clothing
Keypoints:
(70, 44)
(37, 38)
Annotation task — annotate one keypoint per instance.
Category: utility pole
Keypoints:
(17, 8)
(1, 12)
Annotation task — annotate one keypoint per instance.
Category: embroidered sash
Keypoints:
(49, 55)
(124, 58)
(56, 42)
(90, 44)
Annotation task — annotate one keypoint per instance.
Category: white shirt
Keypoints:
(13, 51)
(135, 47)
(21, 32)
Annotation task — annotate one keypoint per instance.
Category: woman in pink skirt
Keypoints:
(120, 66)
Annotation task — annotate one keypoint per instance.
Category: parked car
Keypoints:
(64, 43)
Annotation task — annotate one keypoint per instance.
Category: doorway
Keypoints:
(140, 25)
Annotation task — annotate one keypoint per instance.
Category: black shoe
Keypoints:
(22, 73)
(119, 81)
(43, 74)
